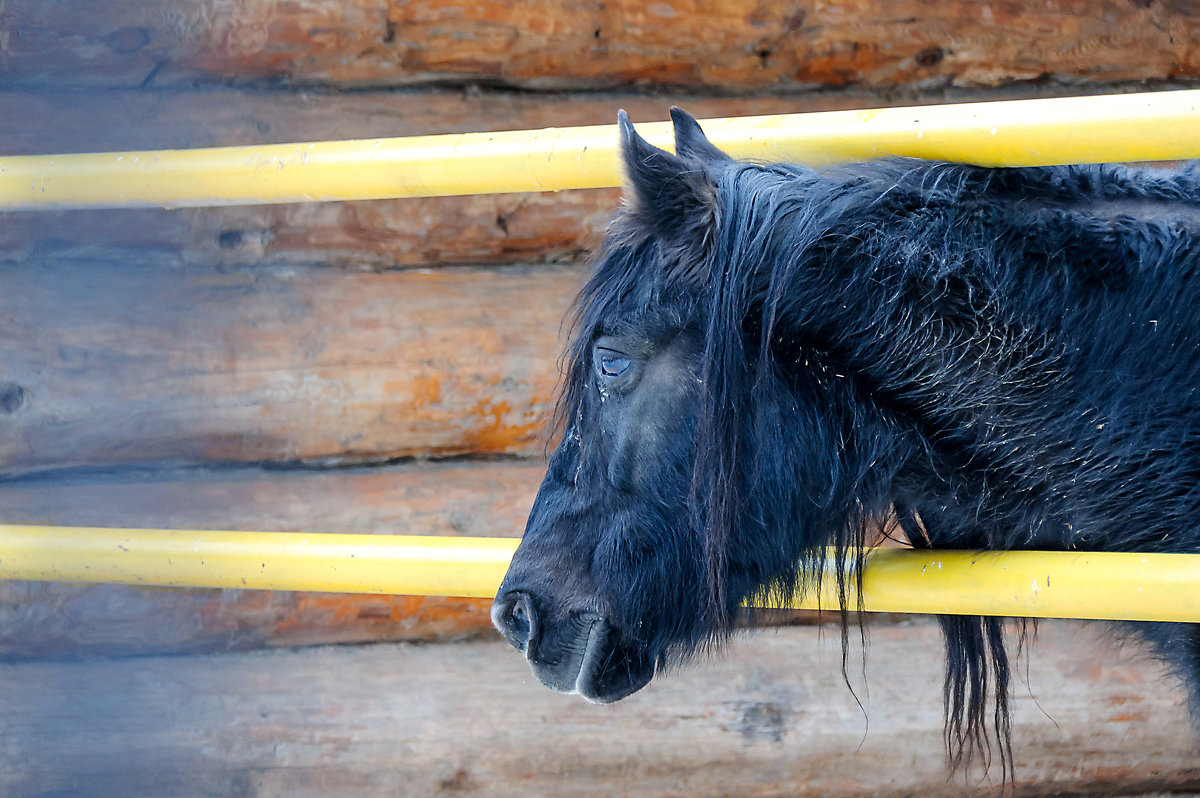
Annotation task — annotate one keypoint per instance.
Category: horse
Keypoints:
(769, 363)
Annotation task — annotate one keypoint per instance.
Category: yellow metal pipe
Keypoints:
(1132, 127)
(1158, 587)
(400, 564)
(1035, 584)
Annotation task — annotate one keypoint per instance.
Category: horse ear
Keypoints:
(673, 198)
(652, 175)
(690, 141)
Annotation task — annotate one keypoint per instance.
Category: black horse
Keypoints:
(770, 360)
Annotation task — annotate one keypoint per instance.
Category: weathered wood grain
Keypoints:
(51, 621)
(772, 717)
(773, 45)
(381, 234)
(47, 619)
(104, 364)
(58, 120)
(449, 497)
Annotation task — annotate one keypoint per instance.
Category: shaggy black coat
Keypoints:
(996, 358)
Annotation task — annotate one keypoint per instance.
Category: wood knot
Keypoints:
(931, 56)
(764, 721)
(126, 41)
(231, 239)
(12, 397)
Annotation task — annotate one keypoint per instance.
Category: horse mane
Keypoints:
(953, 241)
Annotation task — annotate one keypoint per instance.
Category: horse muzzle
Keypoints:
(581, 654)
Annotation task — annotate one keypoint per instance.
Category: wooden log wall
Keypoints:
(771, 718)
(139, 348)
(388, 367)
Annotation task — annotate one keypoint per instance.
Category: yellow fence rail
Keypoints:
(1104, 586)
(1134, 127)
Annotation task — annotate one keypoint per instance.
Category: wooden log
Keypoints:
(48, 121)
(722, 44)
(772, 717)
(105, 365)
(451, 497)
(50, 620)
(380, 234)
(46, 619)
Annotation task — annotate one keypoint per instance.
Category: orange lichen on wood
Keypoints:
(501, 427)
(335, 618)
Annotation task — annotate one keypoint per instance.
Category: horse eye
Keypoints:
(614, 365)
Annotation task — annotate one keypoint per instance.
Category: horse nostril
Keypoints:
(514, 616)
(519, 622)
